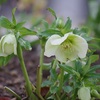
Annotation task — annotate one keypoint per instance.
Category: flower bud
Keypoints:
(59, 22)
(84, 93)
(95, 93)
(8, 45)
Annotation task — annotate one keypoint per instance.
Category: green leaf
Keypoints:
(46, 83)
(53, 74)
(94, 68)
(67, 89)
(53, 25)
(45, 23)
(52, 12)
(25, 44)
(4, 22)
(94, 58)
(78, 66)
(67, 27)
(53, 89)
(69, 69)
(87, 66)
(24, 31)
(91, 59)
(84, 32)
(4, 60)
(51, 97)
(19, 25)
(93, 75)
(50, 32)
(13, 16)
(97, 87)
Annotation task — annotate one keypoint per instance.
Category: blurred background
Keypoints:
(77, 10)
(81, 12)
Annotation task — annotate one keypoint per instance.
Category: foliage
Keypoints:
(69, 79)
(93, 21)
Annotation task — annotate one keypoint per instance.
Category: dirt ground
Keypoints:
(11, 75)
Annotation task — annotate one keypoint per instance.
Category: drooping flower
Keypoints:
(68, 47)
(84, 93)
(8, 45)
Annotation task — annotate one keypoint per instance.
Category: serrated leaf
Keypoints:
(69, 69)
(4, 60)
(52, 12)
(94, 68)
(50, 32)
(24, 31)
(4, 22)
(13, 16)
(25, 44)
(93, 75)
(67, 26)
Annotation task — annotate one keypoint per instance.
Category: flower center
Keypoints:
(67, 44)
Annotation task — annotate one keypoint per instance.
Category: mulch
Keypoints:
(12, 77)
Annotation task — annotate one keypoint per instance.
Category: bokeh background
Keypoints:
(81, 12)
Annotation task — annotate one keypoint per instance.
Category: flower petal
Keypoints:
(64, 55)
(1, 53)
(81, 46)
(59, 40)
(60, 54)
(50, 49)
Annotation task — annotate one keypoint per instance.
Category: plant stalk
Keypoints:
(39, 70)
(12, 92)
(23, 67)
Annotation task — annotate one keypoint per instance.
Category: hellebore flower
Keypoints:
(8, 45)
(69, 47)
(84, 93)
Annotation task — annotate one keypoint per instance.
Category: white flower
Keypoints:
(68, 47)
(8, 45)
(84, 93)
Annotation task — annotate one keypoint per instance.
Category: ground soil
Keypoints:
(12, 77)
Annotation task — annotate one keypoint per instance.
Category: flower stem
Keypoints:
(12, 92)
(39, 70)
(23, 67)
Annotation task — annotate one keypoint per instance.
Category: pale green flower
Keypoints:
(68, 47)
(8, 45)
(84, 93)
